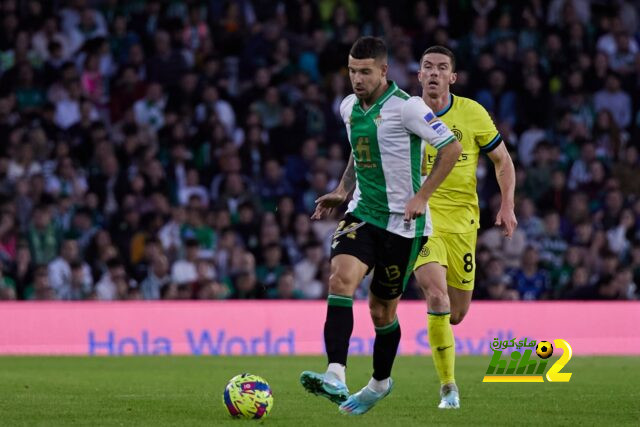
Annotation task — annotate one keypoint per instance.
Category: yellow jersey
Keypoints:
(454, 205)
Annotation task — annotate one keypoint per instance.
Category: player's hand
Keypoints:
(506, 219)
(415, 208)
(326, 203)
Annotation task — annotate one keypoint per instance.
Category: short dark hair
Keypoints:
(444, 51)
(369, 47)
(192, 242)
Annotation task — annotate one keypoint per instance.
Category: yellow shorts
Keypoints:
(456, 252)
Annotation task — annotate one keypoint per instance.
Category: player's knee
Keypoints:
(382, 315)
(428, 282)
(339, 284)
(438, 301)
(437, 296)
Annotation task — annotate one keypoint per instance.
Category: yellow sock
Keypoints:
(443, 347)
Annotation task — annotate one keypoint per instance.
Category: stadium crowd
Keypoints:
(174, 149)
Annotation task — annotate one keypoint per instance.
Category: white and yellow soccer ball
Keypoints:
(247, 396)
(544, 349)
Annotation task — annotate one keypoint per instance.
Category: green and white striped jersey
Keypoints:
(387, 145)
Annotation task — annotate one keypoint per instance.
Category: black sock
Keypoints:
(385, 348)
(338, 328)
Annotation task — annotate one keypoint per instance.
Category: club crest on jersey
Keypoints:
(424, 252)
(457, 133)
(378, 120)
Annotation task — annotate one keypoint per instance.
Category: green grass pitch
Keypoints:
(187, 391)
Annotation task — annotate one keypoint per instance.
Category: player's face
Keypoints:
(436, 74)
(366, 75)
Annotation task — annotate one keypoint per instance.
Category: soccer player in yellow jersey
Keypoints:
(445, 267)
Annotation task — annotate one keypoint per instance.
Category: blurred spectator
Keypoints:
(70, 278)
(193, 188)
(128, 89)
(212, 104)
(530, 282)
(528, 221)
(7, 286)
(274, 185)
(269, 271)
(157, 278)
(213, 290)
(269, 108)
(498, 99)
(625, 171)
(168, 64)
(285, 287)
(510, 250)
(24, 164)
(43, 235)
(579, 286)
(610, 140)
(553, 246)
(579, 173)
(184, 270)
(149, 111)
(171, 232)
(307, 272)
(620, 47)
(8, 237)
(557, 195)
(113, 284)
(246, 286)
(562, 274)
(42, 291)
(614, 99)
(539, 175)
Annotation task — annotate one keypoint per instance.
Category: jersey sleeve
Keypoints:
(486, 135)
(418, 119)
(344, 107)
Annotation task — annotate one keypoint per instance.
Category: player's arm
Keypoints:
(420, 120)
(491, 144)
(326, 203)
(506, 176)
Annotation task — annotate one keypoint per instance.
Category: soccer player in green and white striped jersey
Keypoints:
(387, 220)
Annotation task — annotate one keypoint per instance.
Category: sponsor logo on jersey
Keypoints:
(439, 127)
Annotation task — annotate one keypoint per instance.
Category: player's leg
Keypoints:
(431, 273)
(460, 301)
(387, 340)
(385, 348)
(461, 249)
(349, 264)
(346, 274)
(395, 257)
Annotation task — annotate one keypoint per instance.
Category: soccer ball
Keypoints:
(544, 349)
(247, 396)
